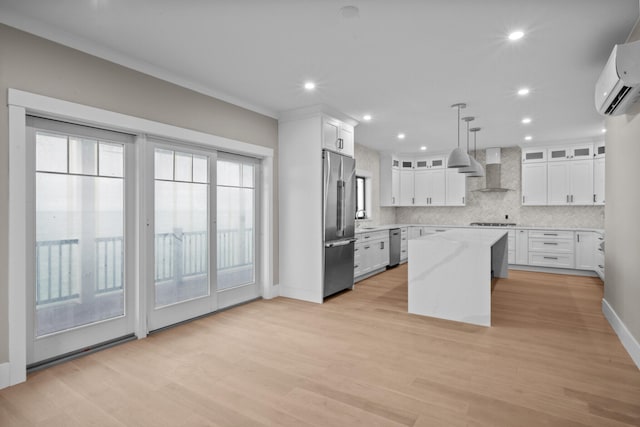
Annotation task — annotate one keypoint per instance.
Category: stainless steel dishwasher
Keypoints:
(394, 247)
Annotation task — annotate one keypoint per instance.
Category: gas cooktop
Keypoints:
(494, 224)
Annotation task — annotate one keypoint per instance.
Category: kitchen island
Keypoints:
(450, 273)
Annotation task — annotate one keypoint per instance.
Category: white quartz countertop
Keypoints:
(473, 235)
(369, 229)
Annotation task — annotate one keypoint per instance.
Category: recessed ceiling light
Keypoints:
(401, 136)
(516, 35)
(366, 117)
(526, 120)
(523, 91)
(528, 138)
(604, 130)
(423, 148)
(309, 85)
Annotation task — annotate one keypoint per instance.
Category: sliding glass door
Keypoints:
(182, 225)
(79, 288)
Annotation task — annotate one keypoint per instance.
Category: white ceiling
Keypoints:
(404, 62)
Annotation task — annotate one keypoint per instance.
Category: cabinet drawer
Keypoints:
(404, 253)
(551, 234)
(551, 245)
(551, 260)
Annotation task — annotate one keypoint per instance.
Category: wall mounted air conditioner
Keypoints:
(619, 84)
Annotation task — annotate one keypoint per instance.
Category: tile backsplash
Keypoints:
(483, 207)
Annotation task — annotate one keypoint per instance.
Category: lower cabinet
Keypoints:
(551, 248)
(585, 250)
(371, 252)
(404, 244)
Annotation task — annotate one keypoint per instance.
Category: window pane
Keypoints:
(79, 250)
(83, 157)
(51, 152)
(164, 164)
(200, 169)
(181, 236)
(235, 236)
(111, 159)
(183, 167)
(247, 176)
(228, 173)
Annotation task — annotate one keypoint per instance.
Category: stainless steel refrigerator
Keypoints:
(339, 190)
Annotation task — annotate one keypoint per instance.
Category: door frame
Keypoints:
(21, 103)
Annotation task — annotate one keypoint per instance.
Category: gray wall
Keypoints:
(622, 232)
(369, 160)
(492, 207)
(33, 64)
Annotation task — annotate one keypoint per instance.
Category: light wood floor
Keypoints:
(359, 359)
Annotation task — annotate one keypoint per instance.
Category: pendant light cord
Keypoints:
(458, 126)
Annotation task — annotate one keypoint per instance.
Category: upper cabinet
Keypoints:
(389, 180)
(420, 181)
(563, 175)
(337, 136)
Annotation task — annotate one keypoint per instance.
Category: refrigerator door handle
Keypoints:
(340, 208)
(340, 243)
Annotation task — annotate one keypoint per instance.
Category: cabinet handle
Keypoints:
(601, 266)
(578, 236)
(355, 250)
(572, 198)
(463, 200)
(393, 200)
(413, 200)
(567, 198)
(366, 237)
(381, 245)
(550, 234)
(355, 266)
(550, 243)
(340, 143)
(594, 198)
(367, 247)
(551, 257)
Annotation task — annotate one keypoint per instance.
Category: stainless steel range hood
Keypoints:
(493, 172)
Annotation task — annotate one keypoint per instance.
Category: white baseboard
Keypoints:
(628, 341)
(536, 268)
(5, 375)
(275, 291)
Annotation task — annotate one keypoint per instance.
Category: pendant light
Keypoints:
(479, 169)
(458, 157)
(471, 168)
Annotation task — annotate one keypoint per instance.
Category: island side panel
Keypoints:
(500, 257)
(450, 279)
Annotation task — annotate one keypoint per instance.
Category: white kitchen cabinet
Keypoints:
(551, 248)
(534, 155)
(302, 134)
(570, 182)
(371, 253)
(404, 246)
(338, 136)
(585, 250)
(522, 247)
(534, 183)
(436, 162)
(389, 180)
(598, 181)
(407, 187)
(429, 187)
(575, 152)
(456, 188)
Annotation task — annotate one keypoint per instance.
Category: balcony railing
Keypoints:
(178, 255)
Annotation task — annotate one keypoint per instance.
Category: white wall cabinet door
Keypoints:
(585, 250)
(598, 181)
(456, 188)
(581, 182)
(406, 188)
(389, 180)
(558, 184)
(338, 137)
(534, 183)
(346, 137)
(422, 187)
(437, 187)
